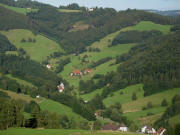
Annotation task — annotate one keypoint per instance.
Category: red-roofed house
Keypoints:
(160, 131)
(76, 73)
(87, 70)
(48, 66)
(61, 87)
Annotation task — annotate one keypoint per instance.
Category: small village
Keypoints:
(111, 126)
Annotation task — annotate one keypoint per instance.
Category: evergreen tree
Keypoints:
(134, 96)
(164, 102)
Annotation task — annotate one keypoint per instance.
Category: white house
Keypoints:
(37, 96)
(143, 129)
(90, 9)
(61, 87)
(148, 129)
(48, 66)
(123, 128)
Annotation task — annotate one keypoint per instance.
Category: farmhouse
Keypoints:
(148, 129)
(61, 87)
(98, 113)
(48, 66)
(87, 70)
(160, 131)
(76, 73)
(90, 9)
(123, 127)
(110, 126)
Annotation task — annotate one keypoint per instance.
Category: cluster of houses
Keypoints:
(78, 72)
(122, 127)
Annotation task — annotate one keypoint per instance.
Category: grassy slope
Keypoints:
(69, 11)
(59, 108)
(23, 131)
(175, 120)
(39, 50)
(126, 96)
(105, 52)
(46, 104)
(156, 100)
(133, 110)
(19, 10)
(20, 81)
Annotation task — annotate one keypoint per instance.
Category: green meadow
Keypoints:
(20, 81)
(46, 104)
(61, 109)
(105, 51)
(124, 95)
(19, 10)
(24, 131)
(38, 50)
(69, 11)
(155, 99)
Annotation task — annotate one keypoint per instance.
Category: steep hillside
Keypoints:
(37, 46)
(19, 10)
(47, 104)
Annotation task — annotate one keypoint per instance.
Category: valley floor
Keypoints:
(24, 131)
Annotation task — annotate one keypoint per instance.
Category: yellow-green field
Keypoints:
(24, 131)
(38, 50)
(19, 10)
(69, 11)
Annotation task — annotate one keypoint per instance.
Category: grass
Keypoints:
(140, 117)
(126, 96)
(20, 81)
(39, 50)
(148, 25)
(156, 100)
(89, 96)
(106, 51)
(61, 109)
(46, 104)
(23, 97)
(175, 120)
(69, 11)
(19, 10)
(25, 131)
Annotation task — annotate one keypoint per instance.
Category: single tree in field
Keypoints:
(134, 97)
(164, 102)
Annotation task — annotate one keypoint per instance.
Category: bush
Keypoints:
(164, 103)
(149, 105)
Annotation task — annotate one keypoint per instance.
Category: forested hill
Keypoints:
(75, 30)
(155, 63)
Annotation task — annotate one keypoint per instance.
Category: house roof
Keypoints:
(160, 130)
(87, 70)
(122, 125)
(60, 88)
(76, 71)
(110, 127)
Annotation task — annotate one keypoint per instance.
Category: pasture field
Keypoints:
(20, 81)
(61, 109)
(175, 120)
(38, 50)
(69, 11)
(148, 25)
(155, 99)
(24, 131)
(19, 10)
(23, 97)
(105, 51)
(126, 96)
(46, 104)
(141, 117)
